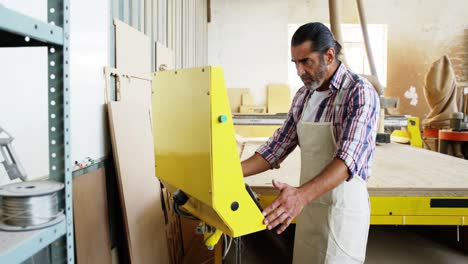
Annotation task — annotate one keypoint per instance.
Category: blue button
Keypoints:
(222, 118)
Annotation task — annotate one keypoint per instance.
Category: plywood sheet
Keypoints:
(173, 230)
(132, 50)
(398, 170)
(195, 250)
(247, 99)
(405, 169)
(132, 142)
(279, 98)
(235, 98)
(91, 218)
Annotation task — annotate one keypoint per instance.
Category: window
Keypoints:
(353, 44)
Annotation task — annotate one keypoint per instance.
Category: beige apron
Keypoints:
(334, 227)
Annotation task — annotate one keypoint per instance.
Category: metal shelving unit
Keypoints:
(17, 247)
(18, 30)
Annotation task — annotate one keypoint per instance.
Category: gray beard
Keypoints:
(320, 74)
(314, 86)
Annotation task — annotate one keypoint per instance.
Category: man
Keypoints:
(333, 118)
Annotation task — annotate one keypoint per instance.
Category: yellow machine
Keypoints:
(196, 152)
(197, 159)
(433, 206)
(404, 129)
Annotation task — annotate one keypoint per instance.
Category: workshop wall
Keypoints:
(23, 100)
(249, 39)
(178, 24)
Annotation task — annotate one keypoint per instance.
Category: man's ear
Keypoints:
(330, 56)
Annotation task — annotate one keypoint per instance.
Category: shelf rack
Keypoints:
(18, 30)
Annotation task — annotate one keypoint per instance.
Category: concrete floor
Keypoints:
(387, 244)
(396, 245)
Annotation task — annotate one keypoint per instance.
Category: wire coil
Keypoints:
(30, 211)
(30, 205)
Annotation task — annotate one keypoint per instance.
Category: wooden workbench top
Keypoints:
(398, 170)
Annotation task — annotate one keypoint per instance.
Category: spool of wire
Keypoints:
(30, 205)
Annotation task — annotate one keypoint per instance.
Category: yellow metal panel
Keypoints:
(389, 210)
(418, 220)
(399, 205)
(228, 182)
(196, 149)
(415, 132)
(206, 214)
(266, 200)
(181, 128)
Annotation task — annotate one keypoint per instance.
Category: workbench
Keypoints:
(408, 185)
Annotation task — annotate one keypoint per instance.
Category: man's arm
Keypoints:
(255, 165)
(357, 139)
(283, 141)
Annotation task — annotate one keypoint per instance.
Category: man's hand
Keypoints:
(291, 200)
(285, 207)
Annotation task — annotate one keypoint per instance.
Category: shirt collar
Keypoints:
(338, 77)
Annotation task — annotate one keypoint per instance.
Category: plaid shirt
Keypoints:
(354, 119)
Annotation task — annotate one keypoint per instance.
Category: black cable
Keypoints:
(182, 213)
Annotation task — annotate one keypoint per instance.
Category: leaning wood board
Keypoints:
(235, 98)
(132, 50)
(140, 192)
(91, 218)
(398, 170)
(279, 98)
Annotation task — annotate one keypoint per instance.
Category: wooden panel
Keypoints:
(132, 50)
(173, 230)
(409, 170)
(279, 98)
(397, 170)
(247, 99)
(132, 141)
(235, 98)
(91, 218)
(195, 250)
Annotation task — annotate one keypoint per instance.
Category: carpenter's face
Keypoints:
(310, 65)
